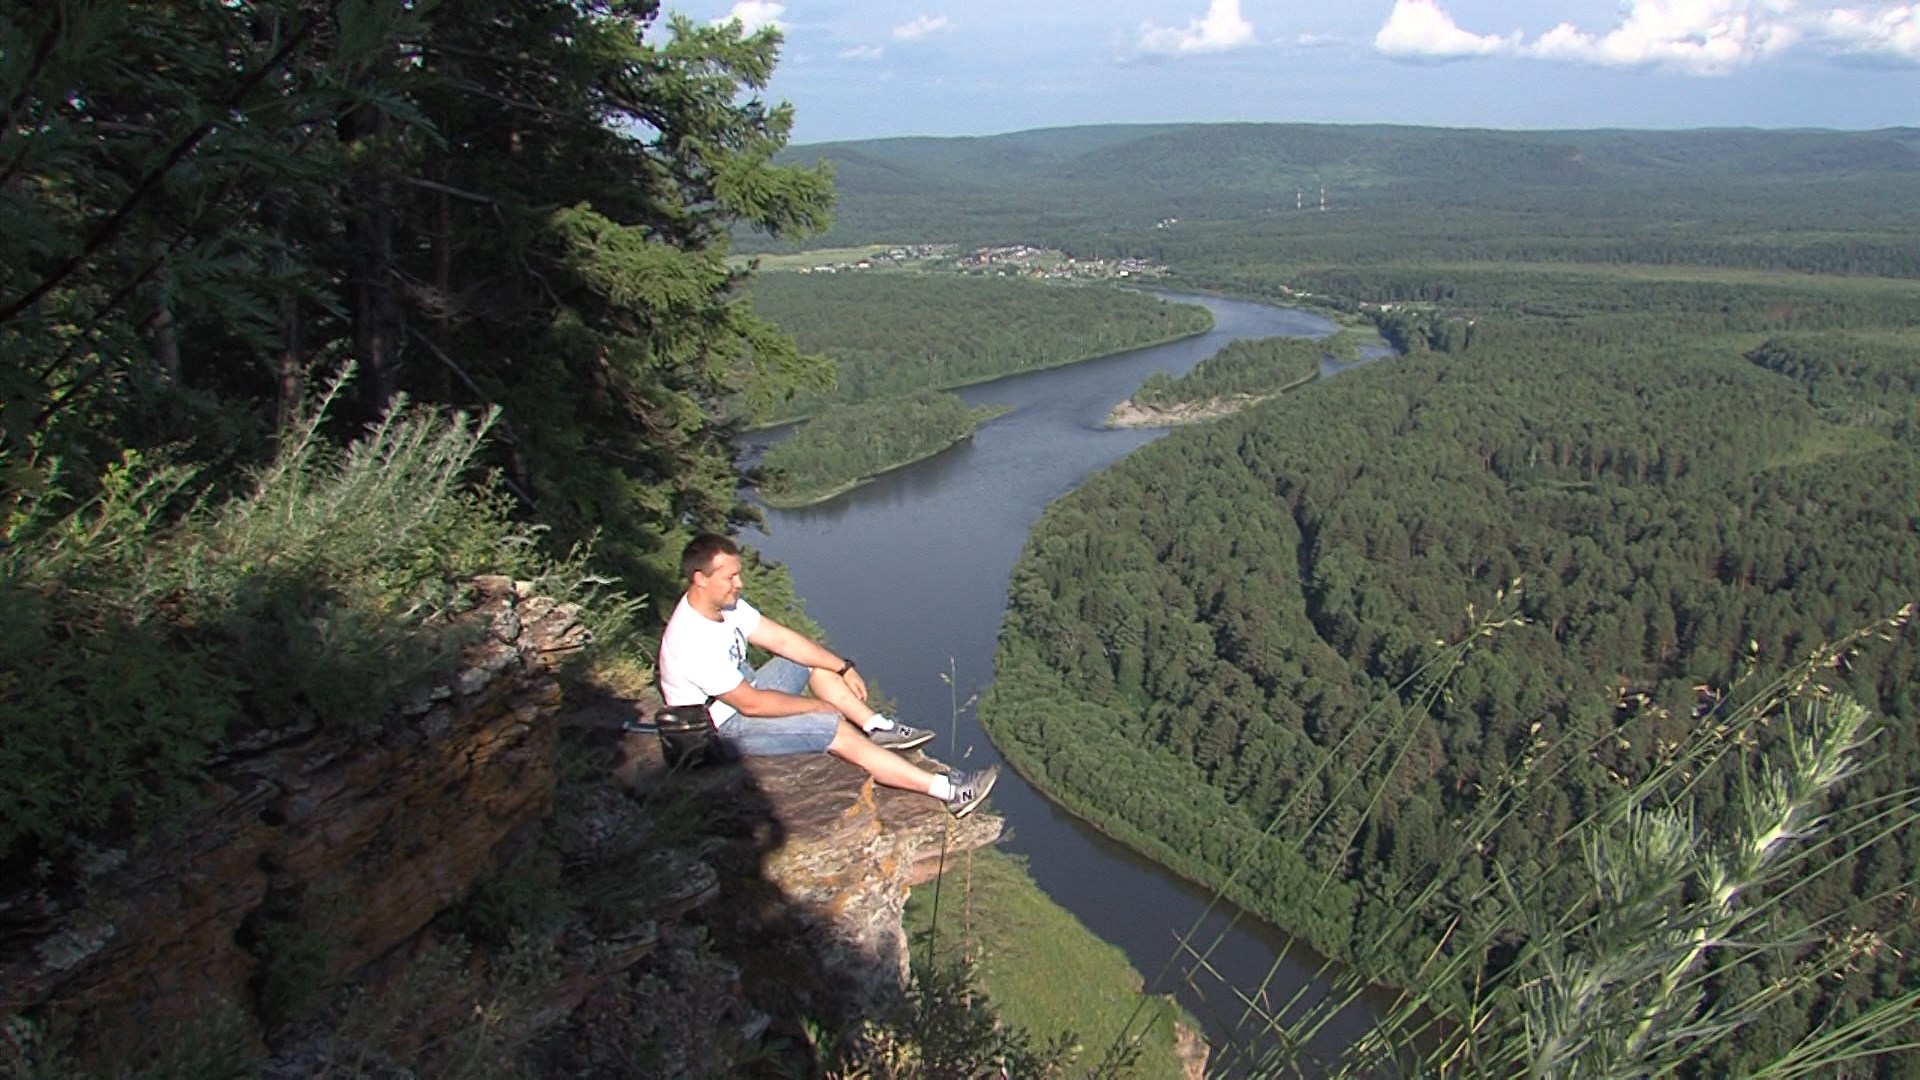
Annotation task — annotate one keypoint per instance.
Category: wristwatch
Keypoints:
(846, 667)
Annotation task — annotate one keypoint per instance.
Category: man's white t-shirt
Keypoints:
(701, 658)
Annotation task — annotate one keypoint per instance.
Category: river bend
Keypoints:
(909, 574)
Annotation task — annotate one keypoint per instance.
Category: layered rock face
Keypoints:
(769, 887)
(814, 863)
(362, 842)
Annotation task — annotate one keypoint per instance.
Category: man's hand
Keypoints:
(855, 683)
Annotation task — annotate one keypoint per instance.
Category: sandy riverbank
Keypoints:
(1129, 415)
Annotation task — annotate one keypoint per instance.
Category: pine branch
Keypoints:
(187, 232)
(445, 189)
(109, 228)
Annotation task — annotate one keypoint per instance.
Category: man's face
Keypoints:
(721, 581)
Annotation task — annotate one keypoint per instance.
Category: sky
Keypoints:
(860, 69)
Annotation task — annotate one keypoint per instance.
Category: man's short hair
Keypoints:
(701, 550)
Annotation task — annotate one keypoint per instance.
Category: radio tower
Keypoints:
(1323, 198)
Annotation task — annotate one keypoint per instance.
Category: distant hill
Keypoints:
(988, 188)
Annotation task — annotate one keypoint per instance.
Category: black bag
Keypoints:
(687, 737)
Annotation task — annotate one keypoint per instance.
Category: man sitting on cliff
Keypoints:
(703, 658)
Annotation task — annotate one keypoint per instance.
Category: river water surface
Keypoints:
(909, 574)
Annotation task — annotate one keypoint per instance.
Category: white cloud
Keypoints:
(1418, 29)
(755, 14)
(924, 26)
(1222, 28)
(1890, 30)
(863, 52)
(1704, 37)
(1699, 37)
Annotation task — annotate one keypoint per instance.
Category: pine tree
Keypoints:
(204, 207)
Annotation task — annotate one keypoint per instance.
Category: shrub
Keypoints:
(148, 628)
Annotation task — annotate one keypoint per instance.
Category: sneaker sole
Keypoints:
(919, 740)
(986, 788)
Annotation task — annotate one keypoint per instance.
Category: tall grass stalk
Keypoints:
(1621, 980)
(951, 678)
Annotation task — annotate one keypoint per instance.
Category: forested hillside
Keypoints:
(901, 333)
(1647, 488)
(1092, 188)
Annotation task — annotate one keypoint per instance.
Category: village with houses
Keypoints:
(1025, 261)
(1007, 260)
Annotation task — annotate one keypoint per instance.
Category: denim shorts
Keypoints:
(807, 733)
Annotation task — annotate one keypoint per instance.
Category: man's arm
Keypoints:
(803, 650)
(794, 645)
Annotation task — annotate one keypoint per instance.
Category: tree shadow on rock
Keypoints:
(773, 887)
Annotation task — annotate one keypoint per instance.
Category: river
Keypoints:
(909, 574)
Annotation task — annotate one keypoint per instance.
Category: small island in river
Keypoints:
(1242, 374)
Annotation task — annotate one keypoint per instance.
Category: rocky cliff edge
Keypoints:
(501, 872)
